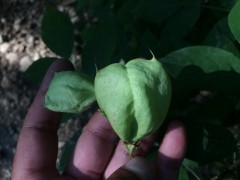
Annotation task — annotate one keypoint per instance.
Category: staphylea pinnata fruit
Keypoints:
(134, 97)
(70, 92)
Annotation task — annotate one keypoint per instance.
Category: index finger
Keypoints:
(37, 144)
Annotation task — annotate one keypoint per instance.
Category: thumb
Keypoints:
(137, 168)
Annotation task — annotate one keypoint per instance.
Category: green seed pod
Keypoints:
(134, 97)
(70, 92)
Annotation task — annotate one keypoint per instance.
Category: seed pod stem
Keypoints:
(132, 147)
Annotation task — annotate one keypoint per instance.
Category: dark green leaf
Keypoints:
(126, 16)
(209, 59)
(57, 32)
(148, 42)
(86, 34)
(70, 92)
(66, 116)
(183, 174)
(208, 143)
(38, 69)
(181, 22)
(178, 26)
(100, 46)
(89, 5)
(215, 111)
(224, 28)
(220, 36)
(82, 4)
(189, 166)
(155, 11)
(228, 4)
(233, 20)
(203, 68)
(121, 48)
(67, 153)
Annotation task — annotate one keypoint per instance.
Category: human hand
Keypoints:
(96, 155)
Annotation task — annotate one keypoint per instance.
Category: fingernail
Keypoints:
(141, 167)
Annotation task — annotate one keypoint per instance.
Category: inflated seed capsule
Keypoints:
(134, 97)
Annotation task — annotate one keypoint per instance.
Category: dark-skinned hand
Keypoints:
(96, 155)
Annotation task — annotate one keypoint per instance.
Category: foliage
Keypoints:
(198, 43)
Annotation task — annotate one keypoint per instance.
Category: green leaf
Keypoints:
(215, 111)
(57, 32)
(67, 153)
(86, 34)
(90, 5)
(38, 69)
(208, 143)
(147, 42)
(227, 3)
(66, 116)
(125, 14)
(100, 46)
(233, 20)
(82, 4)
(70, 92)
(224, 28)
(185, 17)
(209, 59)
(155, 11)
(203, 68)
(221, 37)
(189, 166)
(183, 174)
(121, 48)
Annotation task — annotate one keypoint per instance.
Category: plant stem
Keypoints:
(191, 171)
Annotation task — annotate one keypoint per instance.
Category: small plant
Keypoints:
(196, 45)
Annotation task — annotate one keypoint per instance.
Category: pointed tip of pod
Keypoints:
(153, 57)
